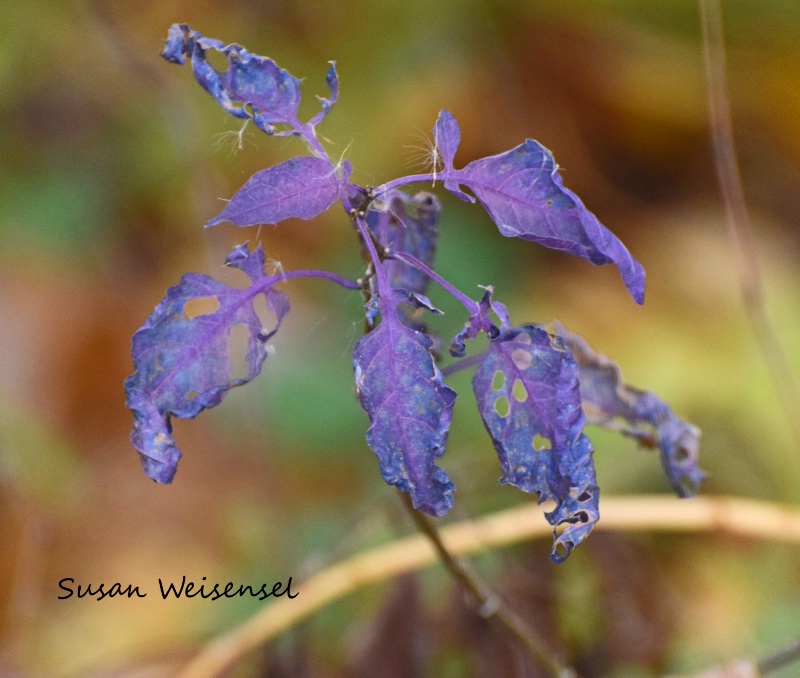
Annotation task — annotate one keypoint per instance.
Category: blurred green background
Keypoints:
(110, 162)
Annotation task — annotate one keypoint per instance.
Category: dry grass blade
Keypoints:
(743, 517)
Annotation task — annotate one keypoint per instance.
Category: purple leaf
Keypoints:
(528, 396)
(302, 187)
(481, 322)
(607, 398)
(522, 191)
(446, 137)
(417, 301)
(252, 86)
(183, 364)
(407, 225)
(409, 408)
(332, 80)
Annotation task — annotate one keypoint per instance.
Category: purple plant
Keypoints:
(535, 389)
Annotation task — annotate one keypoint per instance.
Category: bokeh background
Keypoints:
(110, 162)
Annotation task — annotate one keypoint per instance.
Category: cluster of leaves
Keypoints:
(534, 388)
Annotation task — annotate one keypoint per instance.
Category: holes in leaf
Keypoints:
(498, 381)
(520, 392)
(521, 358)
(541, 442)
(238, 343)
(200, 306)
(217, 60)
(681, 454)
(579, 517)
(502, 406)
(265, 314)
(560, 552)
(556, 343)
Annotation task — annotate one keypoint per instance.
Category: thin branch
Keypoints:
(739, 227)
(471, 305)
(742, 517)
(780, 659)
(463, 364)
(489, 604)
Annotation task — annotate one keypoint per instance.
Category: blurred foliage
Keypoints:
(110, 162)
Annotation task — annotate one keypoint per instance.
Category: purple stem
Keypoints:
(384, 288)
(471, 306)
(463, 364)
(310, 273)
(402, 181)
(309, 134)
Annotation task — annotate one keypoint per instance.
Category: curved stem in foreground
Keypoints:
(742, 517)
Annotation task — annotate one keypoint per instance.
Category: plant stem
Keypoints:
(783, 657)
(489, 603)
(705, 515)
(739, 227)
(402, 181)
(327, 275)
(411, 260)
(463, 364)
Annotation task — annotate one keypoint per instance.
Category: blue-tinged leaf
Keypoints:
(417, 301)
(523, 193)
(481, 322)
(446, 137)
(409, 225)
(607, 399)
(528, 396)
(183, 364)
(252, 86)
(302, 187)
(410, 409)
(332, 80)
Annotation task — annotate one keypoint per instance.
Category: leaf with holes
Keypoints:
(183, 364)
(523, 193)
(607, 398)
(252, 86)
(409, 407)
(527, 393)
(301, 187)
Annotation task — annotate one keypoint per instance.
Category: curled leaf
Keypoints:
(183, 364)
(252, 86)
(607, 399)
(302, 187)
(527, 393)
(332, 80)
(523, 193)
(410, 409)
(481, 322)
